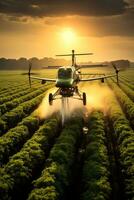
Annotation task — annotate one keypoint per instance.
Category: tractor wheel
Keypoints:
(84, 99)
(50, 99)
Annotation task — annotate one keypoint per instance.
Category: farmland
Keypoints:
(40, 159)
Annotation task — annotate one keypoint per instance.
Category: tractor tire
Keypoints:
(84, 99)
(50, 99)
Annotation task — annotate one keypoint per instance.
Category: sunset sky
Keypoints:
(43, 28)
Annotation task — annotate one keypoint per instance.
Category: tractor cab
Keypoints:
(65, 77)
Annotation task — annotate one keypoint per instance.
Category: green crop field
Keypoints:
(40, 159)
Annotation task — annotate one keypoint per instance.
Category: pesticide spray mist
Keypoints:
(63, 106)
(65, 109)
(97, 99)
(98, 95)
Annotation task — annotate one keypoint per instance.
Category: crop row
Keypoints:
(10, 119)
(27, 95)
(124, 136)
(3, 90)
(128, 80)
(126, 103)
(19, 171)
(9, 92)
(13, 140)
(55, 179)
(15, 94)
(130, 85)
(127, 90)
(95, 179)
(11, 88)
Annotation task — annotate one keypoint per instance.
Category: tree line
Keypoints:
(23, 63)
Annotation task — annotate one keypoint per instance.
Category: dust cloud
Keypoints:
(45, 110)
(65, 107)
(97, 94)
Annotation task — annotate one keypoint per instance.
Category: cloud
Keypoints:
(91, 17)
(49, 8)
(122, 25)
(118, 25)
(103, 26)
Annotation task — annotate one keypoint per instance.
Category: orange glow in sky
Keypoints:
(68, 35)
(49, 36)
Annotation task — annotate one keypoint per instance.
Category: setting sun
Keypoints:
(68, 35)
